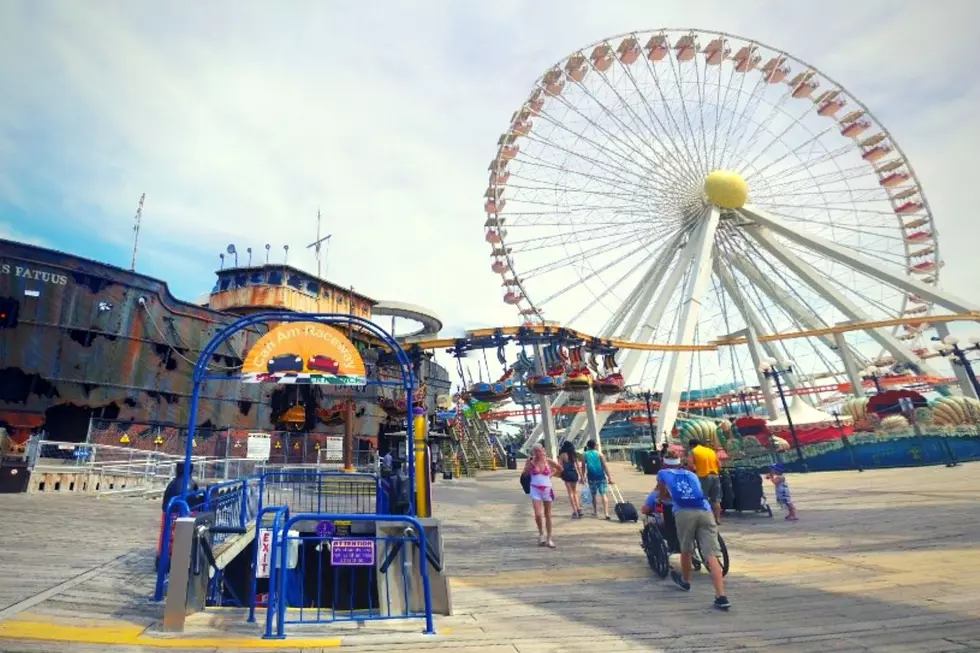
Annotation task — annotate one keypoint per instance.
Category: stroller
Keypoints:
(659, 541)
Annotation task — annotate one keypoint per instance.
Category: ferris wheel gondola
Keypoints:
(685, 185)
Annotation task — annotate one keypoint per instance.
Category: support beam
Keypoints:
(850, 365)
(703, 246)
(752, 335)
(547, 419)
(650, 326)
(634, 307)
(868, 266)
(592, 433)
(819, 283)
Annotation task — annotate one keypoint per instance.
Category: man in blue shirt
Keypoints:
(694, 519)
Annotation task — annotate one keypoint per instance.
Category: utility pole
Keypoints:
(316, 248)
(136, 231)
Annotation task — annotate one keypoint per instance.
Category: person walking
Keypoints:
(705, 462)
(694, 521)
(540, 468)
(783, 496)
(568, 460)
(596, 472)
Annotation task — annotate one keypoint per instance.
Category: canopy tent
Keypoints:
(804, 414)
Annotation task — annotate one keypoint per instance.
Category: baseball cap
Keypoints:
(672, 462)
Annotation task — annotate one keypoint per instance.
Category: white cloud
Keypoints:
(240, 119)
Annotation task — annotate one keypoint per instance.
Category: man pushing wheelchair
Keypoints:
(684, 504)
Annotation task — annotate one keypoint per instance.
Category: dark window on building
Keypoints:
(239, 280)
(311, 286)
(256, 277)
(224, 283)
(275, 278)
(295, 281)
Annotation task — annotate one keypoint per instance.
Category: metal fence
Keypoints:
(286, 448)
(327, 577)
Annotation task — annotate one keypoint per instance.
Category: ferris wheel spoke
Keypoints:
(745, 121)
(751, 163)
(615, 183)
(834, 206)
(691, 155)
(582, 280)
(595, 250)
(775, 109)
(702, 166)
(611, 165)
(623, 156)
(739, 118)
(564, 238)
(668, 163)
(806, 165)
(719, 102)
(701, 83)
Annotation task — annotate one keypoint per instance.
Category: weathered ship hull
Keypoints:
(96, 341)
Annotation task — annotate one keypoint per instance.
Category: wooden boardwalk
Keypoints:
(881, 561)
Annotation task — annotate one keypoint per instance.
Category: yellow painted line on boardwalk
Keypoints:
(116, 635)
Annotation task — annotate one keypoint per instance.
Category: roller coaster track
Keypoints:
(539, 330)
(722, 400)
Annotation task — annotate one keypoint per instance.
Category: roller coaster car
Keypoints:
(579, 379)
(547, 384)
(482, 391)
(610, 384)
(285, 363)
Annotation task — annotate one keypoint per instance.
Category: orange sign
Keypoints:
(304, 352)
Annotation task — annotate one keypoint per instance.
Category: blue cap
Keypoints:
(778, 468)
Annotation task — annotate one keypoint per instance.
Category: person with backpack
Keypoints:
(568, 460)
(596, 473)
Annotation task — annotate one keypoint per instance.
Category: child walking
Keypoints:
(783, 497)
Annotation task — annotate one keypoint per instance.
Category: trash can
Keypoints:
(647, 461)
(511, 461)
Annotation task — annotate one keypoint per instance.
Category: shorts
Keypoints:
(698, 524)
(546, 494)
(783, 497)
(598, 488)
(711, 488)
(569, 476)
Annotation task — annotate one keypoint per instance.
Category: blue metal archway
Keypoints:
(407, 382)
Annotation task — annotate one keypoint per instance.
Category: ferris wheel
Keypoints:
(684, 186)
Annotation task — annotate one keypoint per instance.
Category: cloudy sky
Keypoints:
(240, 119)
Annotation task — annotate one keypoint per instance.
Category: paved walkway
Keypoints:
(880, 561)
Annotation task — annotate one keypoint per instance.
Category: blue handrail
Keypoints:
(280, 540)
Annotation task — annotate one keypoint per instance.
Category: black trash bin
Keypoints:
(511, 461)
(648, 461)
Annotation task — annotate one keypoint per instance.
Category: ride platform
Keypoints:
(880, 561)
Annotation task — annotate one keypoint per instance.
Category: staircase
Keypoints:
(480, 449)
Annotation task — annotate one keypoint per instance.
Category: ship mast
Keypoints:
(136, 231)
(316, 248)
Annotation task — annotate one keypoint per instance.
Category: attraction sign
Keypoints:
(304, 352)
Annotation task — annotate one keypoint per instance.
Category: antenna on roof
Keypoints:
(136, 231)
(231, 250)
(267, 248)
(286, 258)
(316, 248)
(249, 250)
(222, 257)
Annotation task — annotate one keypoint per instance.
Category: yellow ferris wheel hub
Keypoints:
(726, 189)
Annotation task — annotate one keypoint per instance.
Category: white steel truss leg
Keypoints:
(547, 419)
(857, 262)
(592, 432)
(811, 277)
(632, 311)
(651, 282)
(850, 365)
(649, 328)
(752, 335)
(704, 243)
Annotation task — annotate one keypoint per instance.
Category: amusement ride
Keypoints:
(700, 189)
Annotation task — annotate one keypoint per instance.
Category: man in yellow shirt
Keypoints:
(705, 463)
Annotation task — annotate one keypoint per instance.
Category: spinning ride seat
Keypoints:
(610, 384)
(579, 379)
(548, 384)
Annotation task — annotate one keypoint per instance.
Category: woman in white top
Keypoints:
(540, 468)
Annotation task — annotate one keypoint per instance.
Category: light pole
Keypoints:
(949, 347)
(872, 372)
(740, 393)
(773, 369)
(648, 397)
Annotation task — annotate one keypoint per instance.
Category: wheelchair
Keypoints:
(659, 541)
